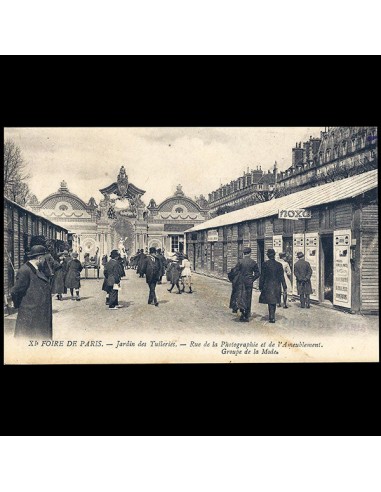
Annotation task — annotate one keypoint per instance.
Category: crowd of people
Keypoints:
(274, 283)
(151, 265)
(46, 274)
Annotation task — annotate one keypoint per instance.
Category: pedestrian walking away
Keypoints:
(32, 296)
(249, 272)
(151, 268)
(60, 270)
(303, 273)
(111, 284)
(287, 278)
(73, 276)
(173, 275)
(186, 274)
(270, 283)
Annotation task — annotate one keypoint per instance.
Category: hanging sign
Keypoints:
(278, 245)
(213, 236)
(294, 213)
(297, 245)
(312, 256)
(342, 268)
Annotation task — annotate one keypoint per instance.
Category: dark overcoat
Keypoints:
(238, 295)
(58, 285)
(303, 272)
(112, 273)
(73, 275)
(272, 277)
(141, 259)
(249, 270)
(151, 268)
(32, 295)
(173, 272)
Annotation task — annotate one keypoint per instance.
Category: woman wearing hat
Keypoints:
(272, 278)
(73, 276)
(60, 269)
(32, 296)
(303, 273)
(186, 274)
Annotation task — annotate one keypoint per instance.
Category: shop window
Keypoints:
(174, 243)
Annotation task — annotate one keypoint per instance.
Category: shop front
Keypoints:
(335, 226)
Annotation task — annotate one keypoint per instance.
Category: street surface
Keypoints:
(200, 316)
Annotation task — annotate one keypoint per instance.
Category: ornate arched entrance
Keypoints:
(124, 229)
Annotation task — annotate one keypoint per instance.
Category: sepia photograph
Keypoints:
(168, 245)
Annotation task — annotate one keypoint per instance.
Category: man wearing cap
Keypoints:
(303, 273)
(31, 294)
(249, 272)
(270, 283)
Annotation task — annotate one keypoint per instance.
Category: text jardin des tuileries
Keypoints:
(224, 347)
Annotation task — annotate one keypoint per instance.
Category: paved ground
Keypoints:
(203, 314)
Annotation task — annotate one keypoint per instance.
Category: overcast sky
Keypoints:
(156, 159)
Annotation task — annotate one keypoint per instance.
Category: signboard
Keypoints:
(127, 213)
(312, 256)
(213, 235)
(297, 245)
(278, 245)
(342, 281)
(294, 213)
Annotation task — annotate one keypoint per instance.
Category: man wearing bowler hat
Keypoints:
(249, 272)
(303, 273)
(32, 296)
(272, 278)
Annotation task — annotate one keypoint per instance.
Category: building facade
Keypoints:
(121, 219)
(340, 152)
(167, 221)
(339, 238)
(253, 183)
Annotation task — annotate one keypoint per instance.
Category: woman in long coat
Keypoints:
(174, 275)
(270, 282)
(60, 268)
(73, 276)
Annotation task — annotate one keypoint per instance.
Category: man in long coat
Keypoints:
(112, 273)
(249, 272)
(151, 269)
(303, 273)
(270, 283)
(31, 294)
(161, 259)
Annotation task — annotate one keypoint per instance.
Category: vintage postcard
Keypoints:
(190, 245)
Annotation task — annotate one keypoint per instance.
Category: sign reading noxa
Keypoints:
(294, 213)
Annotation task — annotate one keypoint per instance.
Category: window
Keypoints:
(327, 155)
(174, 243)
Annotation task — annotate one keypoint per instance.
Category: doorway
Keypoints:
(327, 267)
(194, 256)
(261, 253)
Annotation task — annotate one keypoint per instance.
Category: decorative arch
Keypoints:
(73, 200)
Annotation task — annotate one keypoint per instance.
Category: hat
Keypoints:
(114, 253)
(74, 254)
(37, 250)
(246, 250)
(270, 252)
(299, 254)
(152, 250)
